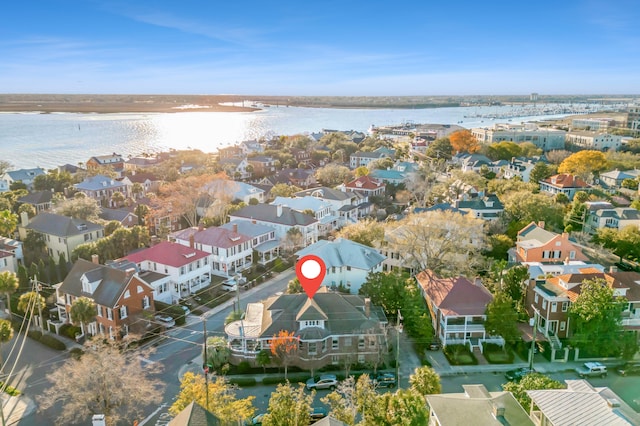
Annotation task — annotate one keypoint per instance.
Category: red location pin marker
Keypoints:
(310, 271)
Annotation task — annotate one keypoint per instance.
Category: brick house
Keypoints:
(535, 244)
(564, 184)
(548, 300)
(332, 329)
(124, 302)
(365, 185)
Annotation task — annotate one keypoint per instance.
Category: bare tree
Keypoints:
(103, 380)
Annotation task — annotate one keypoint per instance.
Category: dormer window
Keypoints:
(311, 323)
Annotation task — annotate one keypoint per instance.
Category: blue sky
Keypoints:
(320, 48)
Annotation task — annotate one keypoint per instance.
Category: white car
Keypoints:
(231, 285)
(325, 381)
(165, 320)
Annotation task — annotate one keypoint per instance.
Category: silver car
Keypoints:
(325, 381)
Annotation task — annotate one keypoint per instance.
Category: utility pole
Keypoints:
(398, 331)
(238, 276)
(37, 301)
(536, 313)
(205, 366)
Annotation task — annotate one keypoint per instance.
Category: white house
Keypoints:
(189, 269)
(232, 252)
(282, 219)
(25, 176)
(327, 218)
(348, 263)
(263, 238)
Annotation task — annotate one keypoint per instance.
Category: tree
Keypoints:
(6, 334)
(79, 208)
(361, 171)
(333, 175)
(53, 180)
(584, 163)
(8, 223)
(137, 189)
(117, 198)
(293, 239)
(366, 231)
(514, 282)
(62, 267)
(218, 352)
(502, 318)
(464, 141)
(425, 381)
(350, 398)
(284, 190)
(596, 315)
(5, 166)
(8, 285)
(182, 196)
(557, 156)
(505, 150)
(405, 407)
(141, 210)
(83, 311)
(84, 387)
(529, 149)
(294, 287)
(111, 226)
(28, 209)
(531, 381)
(289, 406)
(440, 148)
(437, 240)
(540, 171)
(263, 358)
(499, 245)
(624, 243)
(524, 207)
(386, 289)
(31, 300)
(284, 347)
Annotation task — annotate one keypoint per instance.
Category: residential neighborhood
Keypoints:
(480, 250)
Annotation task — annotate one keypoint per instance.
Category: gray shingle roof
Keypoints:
(61, 226)
(343, 252)
(37, 197)
(268, 213)
(112, 282)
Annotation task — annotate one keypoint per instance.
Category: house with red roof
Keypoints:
(365, 185)
(189, 269)
(549, 300)
(232, 251)
(457, 307)
(564, 184)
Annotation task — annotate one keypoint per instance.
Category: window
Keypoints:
(182, 270)
(109, 314)
(572, 254)
(313, 348)
(545, 254)
(535, 298)
(127, 294)
(565, 306)
(557, 254)
(123, 312)
(99, 309)
(348, 268)
(335, 343)
(563, 325)
(361, 342)
(145, 302)
(554, 307)
(347, 341)
(139, 289)
(544, 303)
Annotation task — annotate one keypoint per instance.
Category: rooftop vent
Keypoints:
(613, 403)
(189, 255)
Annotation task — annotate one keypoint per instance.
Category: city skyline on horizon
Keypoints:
(331, 49)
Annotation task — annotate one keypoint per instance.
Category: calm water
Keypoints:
(49, 140)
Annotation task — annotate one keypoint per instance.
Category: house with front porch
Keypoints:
(40, 200)
(124, 301)
(322, 211)
(263, 239)
(365, 185)
(281, 219)
(26, 176)
(188, 267)
(331, 329)
(616, 218)
(348, 263)
(548, 300)
(457, 307)
(101, 188)
(564, 184)
(231, 251)
(347, 205)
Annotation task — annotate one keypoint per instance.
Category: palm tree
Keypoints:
(8, 223)
(137, 189)
(83, 310)
(6, 334)
(32, 298)
(8, 285)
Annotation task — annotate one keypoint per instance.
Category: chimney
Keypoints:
(24, 217)
(613, 269)
(565, 235)
(367, 307)
(200, 227)
(235, 228)
(498, 410)
(130, 272)
(95, 259)
(541, 224)
(98, 420)
(478, 281)
(191, 241)
(279, 210)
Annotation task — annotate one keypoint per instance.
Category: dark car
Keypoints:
(517, 374)
(385, 380)
(317, 413)
(629, 369)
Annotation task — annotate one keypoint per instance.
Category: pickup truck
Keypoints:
(592, 369)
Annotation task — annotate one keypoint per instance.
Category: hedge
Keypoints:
(243, 381)
(10, 390)
(52, 342)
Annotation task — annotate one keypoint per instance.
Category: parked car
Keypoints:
(317, 413)
(434, 345)
(231, 284)
(629, 369)
(325, 381)
(257, 420)
(165, 320)
(592, 369)
(518, 373)
(385, 380)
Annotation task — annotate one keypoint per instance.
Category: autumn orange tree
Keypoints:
(464, 141)
(284, 346)
(584, 163)
(181, 197)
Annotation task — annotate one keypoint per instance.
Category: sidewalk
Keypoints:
(15, 408)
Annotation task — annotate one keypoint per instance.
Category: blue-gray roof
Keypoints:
(61, 226)
(343, 252)
(25, 174)
(98, 182)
